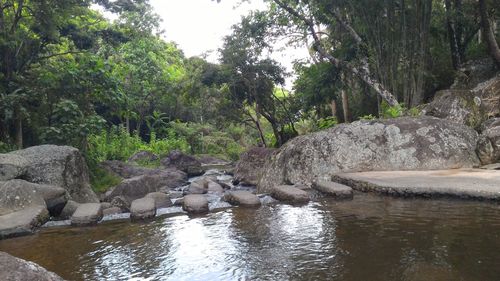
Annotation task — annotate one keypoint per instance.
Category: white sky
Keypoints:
(198, 26)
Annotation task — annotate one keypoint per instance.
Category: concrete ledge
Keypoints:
(459, 183)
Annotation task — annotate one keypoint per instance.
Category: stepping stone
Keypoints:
(242, 198)
(195, 204)
(333, 189)
(214, 187)
(111, 211)
(87, 214)
(69, 209)
(290, 194)
(196, 188)
(162, 200)
(143, 208)
(23, 222)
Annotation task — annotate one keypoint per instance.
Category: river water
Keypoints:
(369, 238)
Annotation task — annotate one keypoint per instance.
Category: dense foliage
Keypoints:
(70, 76)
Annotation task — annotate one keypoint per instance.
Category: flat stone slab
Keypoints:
(242, 198)
(87, 214)
(23, 222)
(195, 204)
(290, 194)
(333, 189)
(143, 208)
(461, 183)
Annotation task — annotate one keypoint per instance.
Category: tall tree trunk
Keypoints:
(489, 35)
(19, 128)
(453, 37)
(333, 108)
(345, 106)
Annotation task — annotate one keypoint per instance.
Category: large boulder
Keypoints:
(12, 166)
(249, 168)
(126, 170)
(15, 269)
(424, 143)
(488, 147)
(162, 200)
(138, 187)
(468, 106)
(186, 163)
(19, 194)
(195, 204)
(62, 166)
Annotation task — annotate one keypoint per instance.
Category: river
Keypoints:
(369, 238)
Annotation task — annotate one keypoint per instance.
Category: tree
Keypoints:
(488, 31)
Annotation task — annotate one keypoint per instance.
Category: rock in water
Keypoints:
(87, 214)
(12, 166)
(15, 269)
(195, 204)
(333, 189)
(143, 208)
(242, 198)
(289, 194)
(62, 166)
(186, 163)
(22, 222)
(162, 200)
(249, 168)
(425, 143)
(138, 187)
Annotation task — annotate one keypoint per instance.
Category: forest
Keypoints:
(71, 76)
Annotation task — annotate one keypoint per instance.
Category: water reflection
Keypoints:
(369, 238)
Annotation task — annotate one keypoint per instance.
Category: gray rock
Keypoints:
(424, 143)
(15, 269)
(69, 209)
(121, 202)
(18, 194)
(23, 222)
(143, 156)
(87, 214)
(12, 166)
(143, 208)
(162, 200)
(242, 198)
(196, 188)
(488, 146)
(127, 170)
(290, 194)
(468, 106)
(138, 187)
(195, 204)
(186, 163)
(333, 189)
(249, 168)
(111, 211)
(62, 166)
(106, 205)
(214, 187)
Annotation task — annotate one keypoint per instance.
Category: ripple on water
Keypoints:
(368, 238)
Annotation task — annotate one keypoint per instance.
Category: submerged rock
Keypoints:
(242, 198)
(15, 269)
(143, 208)
(87, 214)
(249, 168)
(186, 163)
(62, 166)
(424, 143)
(290, 194)
(195, 204)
